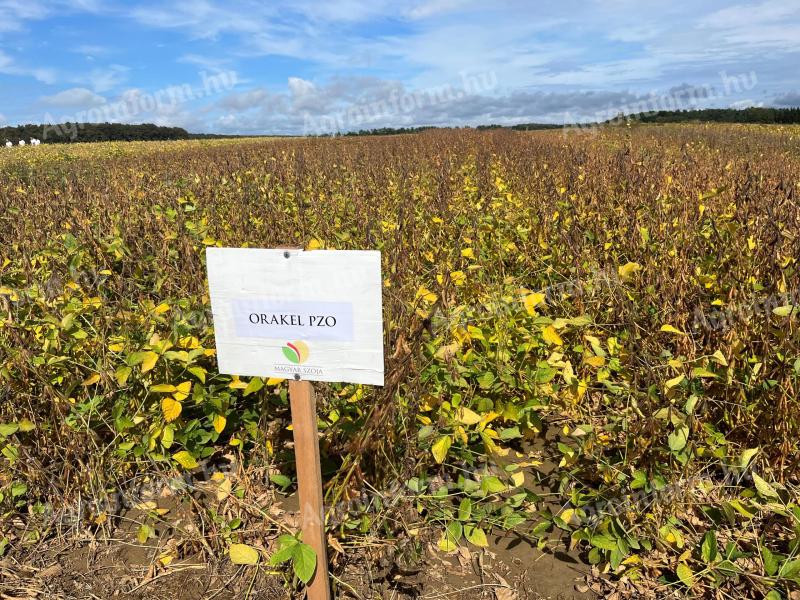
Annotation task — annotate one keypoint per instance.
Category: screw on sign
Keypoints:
(302, 316)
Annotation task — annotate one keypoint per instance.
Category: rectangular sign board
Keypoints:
(316, 315)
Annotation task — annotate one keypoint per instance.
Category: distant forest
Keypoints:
(91, 132)
(723, 115)
(118, 132)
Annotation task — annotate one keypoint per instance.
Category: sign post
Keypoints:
(302, 316)
(309, 482)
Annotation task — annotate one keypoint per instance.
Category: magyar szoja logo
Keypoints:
(296, 352)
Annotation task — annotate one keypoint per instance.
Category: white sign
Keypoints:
(292, 314)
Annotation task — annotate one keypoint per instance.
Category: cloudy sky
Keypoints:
(308, 66)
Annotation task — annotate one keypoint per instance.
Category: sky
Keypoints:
(310, 67)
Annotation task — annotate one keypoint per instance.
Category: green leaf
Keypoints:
(452, 535)
(144, 533)
(770, 561)
(677, 439)
(747, 456)
(685, 575)
(783, 311)
(7, 429)
(168, 437)
(773, 595)
(11, 452)
(465, 510)
(510, 433)
(765, 489)
(242, 554)
(486, 380)
(304, 560)
(604, 542)
(440, 448)
(198, 372)
(280, 480)
(708, 548)
(286, 544)
(492, 485)
(256, 383)
(122, 374)
(476, 535)
(791, 569)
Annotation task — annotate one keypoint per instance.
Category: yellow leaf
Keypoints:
(427, 295)
(627, 270)
(171, 408)
(91, 380)
(314, 244)
(182, 391)
(440, 448)
(468, 417)
(458, 278)
(161, 308)
(532, 301)
(219, 423)
(551, 336)
(224, 489)
(165, 388)
(448, 351)
(467, 253)
(671, 329)
(150, 359)
(166, 559)
(674, 381)
(184, 459)
(274, 381)
(122, 375)
(242, 554)
(719, 358)
(237, 384)
(582, 387)
(702, 372)
(595, 361)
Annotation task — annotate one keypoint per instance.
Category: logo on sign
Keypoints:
(296, 352)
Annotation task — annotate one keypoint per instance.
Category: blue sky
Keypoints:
(307, 66)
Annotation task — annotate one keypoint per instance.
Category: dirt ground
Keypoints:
(111, 561)
(120, 566)
(503, 572)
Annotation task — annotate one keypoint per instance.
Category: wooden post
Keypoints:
(309, 483)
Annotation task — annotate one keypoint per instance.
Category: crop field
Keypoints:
(592, 352)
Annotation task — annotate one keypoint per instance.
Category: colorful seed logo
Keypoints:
(296, 352)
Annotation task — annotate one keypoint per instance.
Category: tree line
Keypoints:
(62, 133)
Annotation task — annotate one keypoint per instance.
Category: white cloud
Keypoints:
(430, 8)
(74, 98)
(9, 67)
(104, 79)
